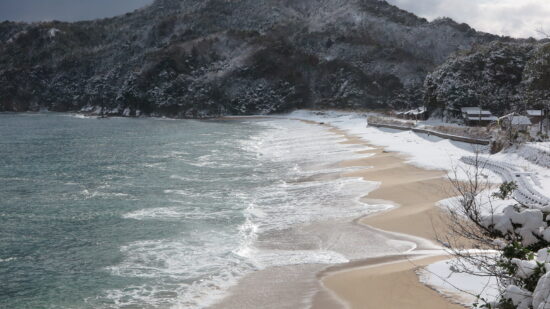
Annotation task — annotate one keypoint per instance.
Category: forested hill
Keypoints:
(499, 76)
(200, 58)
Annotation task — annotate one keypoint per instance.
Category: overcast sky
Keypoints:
(66, 10)
(516, 18)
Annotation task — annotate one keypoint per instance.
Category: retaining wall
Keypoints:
(435, 133)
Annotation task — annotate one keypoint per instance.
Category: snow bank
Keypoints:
(537, 153)
(534, 159)
(460, 286)
(423, 150)
(520, 297)
(540, 296)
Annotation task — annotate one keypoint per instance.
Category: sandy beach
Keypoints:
(381, 281)
(392, 282)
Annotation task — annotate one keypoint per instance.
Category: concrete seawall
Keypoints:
(435, 133)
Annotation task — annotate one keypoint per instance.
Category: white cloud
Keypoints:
(516, 18)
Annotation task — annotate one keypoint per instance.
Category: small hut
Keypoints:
(475, 116)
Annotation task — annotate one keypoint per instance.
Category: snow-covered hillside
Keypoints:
(499, 76)
(196, 58)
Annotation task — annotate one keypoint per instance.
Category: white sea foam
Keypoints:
(100, 194)
(170, 154)
(288, 151)
(154, 165)
(183, 262)
(174, 213)
(8, 259)
(81, 116)
(178, 177)
(155, 213)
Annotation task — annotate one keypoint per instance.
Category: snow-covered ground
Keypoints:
(463, 288)
(532, 158)
(432, 152)
(531, 162)
(424, 151)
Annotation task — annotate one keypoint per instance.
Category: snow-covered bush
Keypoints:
(524, 259)
(518, 235)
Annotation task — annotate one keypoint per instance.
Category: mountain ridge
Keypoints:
(195, 59)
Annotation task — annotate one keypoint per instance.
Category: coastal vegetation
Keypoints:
(510, 237)
(501, 77)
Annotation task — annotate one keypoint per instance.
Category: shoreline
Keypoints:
(329, 285)
(392, 282)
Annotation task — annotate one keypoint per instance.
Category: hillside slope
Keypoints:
(499, 76)
(200, 58)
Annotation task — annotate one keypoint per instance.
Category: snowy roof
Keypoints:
(519, 120)
(482, 118)
(469, 110)
(488, 113)
(534, 112)
(475, 111)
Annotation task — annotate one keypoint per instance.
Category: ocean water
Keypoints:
(157, 213)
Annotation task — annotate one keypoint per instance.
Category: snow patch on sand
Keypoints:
(461, 287)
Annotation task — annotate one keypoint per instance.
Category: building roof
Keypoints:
(520, 120)
(534, 112)
(483, 113)
(482, 118)
(468, 110)
(475, 111)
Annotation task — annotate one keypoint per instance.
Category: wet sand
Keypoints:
(374, 279)
(415, 191)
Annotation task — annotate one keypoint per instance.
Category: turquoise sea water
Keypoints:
(154, 213)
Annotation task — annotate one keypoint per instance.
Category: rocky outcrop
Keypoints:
(201, 58)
